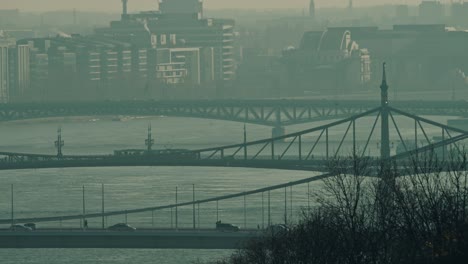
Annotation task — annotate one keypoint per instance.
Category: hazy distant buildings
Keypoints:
(4, 74)
(171, 53)
(419, 57)
(459, 13)
(162, 31)
(8, 17)
(181, 7)
(203, 47)
(402, 12)
(431, 11)
(20, 71)
(327, 61)
(103, 68)
(39, 77)
(259, 74)
(6, 39)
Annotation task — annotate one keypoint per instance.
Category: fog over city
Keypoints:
(109, 5)
(233, 131)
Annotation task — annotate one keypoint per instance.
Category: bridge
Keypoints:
(274, 113)
(151, 239)
(310, 149)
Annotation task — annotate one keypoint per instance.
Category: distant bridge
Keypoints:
(275, 113)
(289, 152)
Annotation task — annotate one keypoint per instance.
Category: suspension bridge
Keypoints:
(310, 150)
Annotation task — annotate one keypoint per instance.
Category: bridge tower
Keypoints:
(385, 133)
(59, 143)
(149, 142)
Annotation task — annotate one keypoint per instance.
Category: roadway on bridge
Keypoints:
(143, 238)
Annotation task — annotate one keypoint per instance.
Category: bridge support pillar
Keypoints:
(278, 131)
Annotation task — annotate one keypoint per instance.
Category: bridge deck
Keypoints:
(261, 112)
(202, 239)
(311, 165)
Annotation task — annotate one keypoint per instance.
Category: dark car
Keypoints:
(20, 228)
(226, 227)
(121, 227)
(31, 225)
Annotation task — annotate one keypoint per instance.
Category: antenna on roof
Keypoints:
(124, 7)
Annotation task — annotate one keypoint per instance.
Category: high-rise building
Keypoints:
(39, 76)
(4, 74)
(23, 74)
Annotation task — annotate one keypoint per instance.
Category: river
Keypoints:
(59, 191)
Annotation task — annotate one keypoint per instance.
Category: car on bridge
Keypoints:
(225, 227)
(122, 227)
(20, 228)
(31, 225)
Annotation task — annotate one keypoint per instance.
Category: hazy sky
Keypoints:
(114, 5)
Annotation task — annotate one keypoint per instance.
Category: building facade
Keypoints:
(4, 74)
(171, 53)
(329, 61)
(419, 58)
(181, 7)
(431, 11)
(179, 23)
(23, 70)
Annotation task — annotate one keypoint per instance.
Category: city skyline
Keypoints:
(137, 5)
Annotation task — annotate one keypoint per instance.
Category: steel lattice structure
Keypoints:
(275, 113)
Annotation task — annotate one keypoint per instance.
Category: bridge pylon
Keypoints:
(149, 142)
(384, 111)
(59, 143)
(278, 130)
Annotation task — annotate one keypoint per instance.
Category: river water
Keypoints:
(51, 192)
